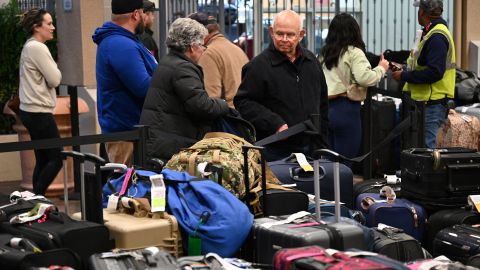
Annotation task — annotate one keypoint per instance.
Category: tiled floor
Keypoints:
(8, 187)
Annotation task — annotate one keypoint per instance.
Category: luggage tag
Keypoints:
(302, 161)
(158, 193)
(195, 242)
(474, 201)
(113, 202)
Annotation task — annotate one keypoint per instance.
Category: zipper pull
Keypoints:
(415, 216)
(298, 79)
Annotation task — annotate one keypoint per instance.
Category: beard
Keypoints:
(140, 27)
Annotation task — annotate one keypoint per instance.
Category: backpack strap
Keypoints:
(225, 135)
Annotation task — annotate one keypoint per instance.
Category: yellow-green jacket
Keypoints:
(445, 87)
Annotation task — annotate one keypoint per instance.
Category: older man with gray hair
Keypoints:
(177, 107)
(282, 87)
(431, 68)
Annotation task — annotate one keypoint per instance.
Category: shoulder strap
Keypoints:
(210, 135)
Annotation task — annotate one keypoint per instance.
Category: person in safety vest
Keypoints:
(430, 74)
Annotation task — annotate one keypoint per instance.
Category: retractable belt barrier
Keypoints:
(138, 136)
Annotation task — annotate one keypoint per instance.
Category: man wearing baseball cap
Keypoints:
(124, 69)
(146, 37)
(430, 76)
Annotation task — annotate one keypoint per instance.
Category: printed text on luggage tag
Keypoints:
(158, 193)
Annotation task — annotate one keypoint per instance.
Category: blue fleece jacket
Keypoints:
(124, 70)
(433, 56)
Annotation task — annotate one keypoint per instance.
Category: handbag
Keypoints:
(355, 92)
(14, 103)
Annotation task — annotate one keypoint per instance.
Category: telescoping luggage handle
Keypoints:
(81, 158)
(95, 213)
(335, 158)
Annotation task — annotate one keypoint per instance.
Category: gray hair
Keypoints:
(183, 32)
(433, 8)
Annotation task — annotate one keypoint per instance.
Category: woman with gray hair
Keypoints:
(177, 107)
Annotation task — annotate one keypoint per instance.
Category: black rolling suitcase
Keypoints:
(272, 233)
(55, 229)
(21, 253)
(145, 259)
(288, 171)
(458, 243)
(440, 178)
(447, 218)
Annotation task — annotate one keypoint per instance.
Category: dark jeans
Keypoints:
(48, 161)
(345, 127)
(434, 117)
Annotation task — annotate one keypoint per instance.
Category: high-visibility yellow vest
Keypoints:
(442, 88)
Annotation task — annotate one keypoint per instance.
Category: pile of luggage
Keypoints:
(204, 210)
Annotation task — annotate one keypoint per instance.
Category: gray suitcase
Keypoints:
(341, 234)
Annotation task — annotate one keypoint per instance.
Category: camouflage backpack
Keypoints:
(225, 149)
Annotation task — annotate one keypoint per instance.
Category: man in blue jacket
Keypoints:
(124, 70)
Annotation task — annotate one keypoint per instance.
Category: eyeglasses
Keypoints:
(288, 36)
(201, 45)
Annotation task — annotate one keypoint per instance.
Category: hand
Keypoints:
(282, 128)
(383, 62)
(397, 75)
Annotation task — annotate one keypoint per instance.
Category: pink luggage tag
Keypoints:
(125, 181)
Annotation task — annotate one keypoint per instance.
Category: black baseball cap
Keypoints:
(148, 6)
(126, 6)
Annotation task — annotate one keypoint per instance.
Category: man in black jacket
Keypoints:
(146, 37)
(284, 86)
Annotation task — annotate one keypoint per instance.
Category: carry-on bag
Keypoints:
(440, 178)
(375, 185)
(267, 198)
(90, 192)
(447, 218)
(57, 230)
(318, 258)
(289, 171)
(458, 242)
(272, 233)
(143, 259)
(394, 243)
(395, 212)
(459, 130)
(22, 253)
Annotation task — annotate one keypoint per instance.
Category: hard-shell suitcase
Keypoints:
(317, 258)
(146, 259)
(447, 218)
(270, 234)
(458, 242)
(130, 232)
(440, 178)
(400, 213)
(289, 171)
(21, 253)
(395, 244)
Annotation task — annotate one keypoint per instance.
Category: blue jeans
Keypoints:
(434, 117)
(345, 126)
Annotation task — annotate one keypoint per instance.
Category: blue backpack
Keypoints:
(206, 210)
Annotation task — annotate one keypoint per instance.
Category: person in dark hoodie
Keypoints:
(178, 108)
(430, 76)
(124, 71)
